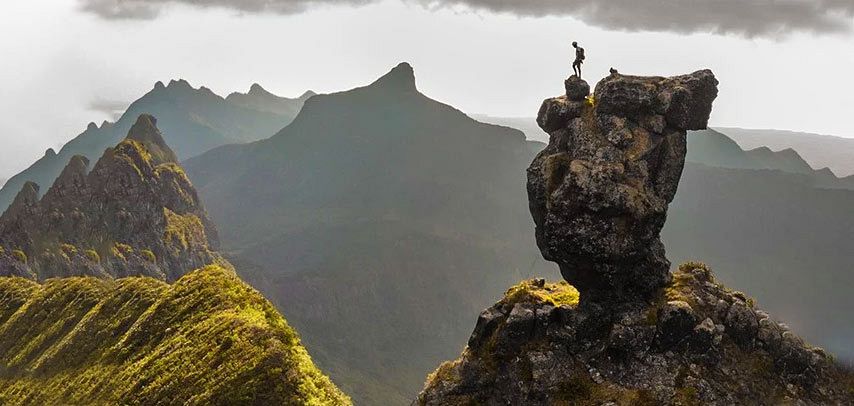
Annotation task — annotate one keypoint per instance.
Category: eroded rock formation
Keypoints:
(599, 191)
(632, 333)
(697, 343)
(135, 213)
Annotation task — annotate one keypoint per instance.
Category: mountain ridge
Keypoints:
(206, 339)
(819, 150)
(135, 213)
(192, 120)
(86, 315)
(380, 195)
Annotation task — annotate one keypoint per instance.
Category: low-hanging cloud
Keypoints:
(750, 18)
(110, 107)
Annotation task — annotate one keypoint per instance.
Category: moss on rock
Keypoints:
(207, 339)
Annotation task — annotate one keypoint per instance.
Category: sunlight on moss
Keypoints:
(537, 291)
(207, 339)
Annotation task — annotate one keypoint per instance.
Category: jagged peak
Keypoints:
(159, 85)
(401, 78)
(27, 197)
(145, 132)
(70, 181)
(826, 171)
(257, 89)
(50, 152)
(92, 126)
(29, 192)
(179, 84)
(77, 163)
(307, 95)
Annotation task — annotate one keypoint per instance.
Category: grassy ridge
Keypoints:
(207, 339)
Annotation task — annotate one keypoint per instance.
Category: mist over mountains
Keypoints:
(819, 150)
(87, 311)
(375, 215)
(380, 221)
(192, 120)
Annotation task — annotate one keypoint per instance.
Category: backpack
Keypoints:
(582, 53)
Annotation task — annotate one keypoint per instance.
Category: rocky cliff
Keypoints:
(136, 213)
(626, 331)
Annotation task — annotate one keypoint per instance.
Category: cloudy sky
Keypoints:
(784, 64)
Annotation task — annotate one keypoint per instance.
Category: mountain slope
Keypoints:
(819, 150)
(135, 213)
(261, 100)
(713, 148)
(776, 236)
(207, 339)
(193, 121)
(354, 217)
(359, 213)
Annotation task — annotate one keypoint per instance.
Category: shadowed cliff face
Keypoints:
(135, 213)
(599, 191)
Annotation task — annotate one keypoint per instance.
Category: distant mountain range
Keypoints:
(713, 148)
(750, 149)
(380, 221)
(819, 150)
(192, 121)
(378, 211)
(373, 218)
(87, 316)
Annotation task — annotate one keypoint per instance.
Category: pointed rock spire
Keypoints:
(257, 89)
(71, 182)
(145, 132)
(25, 202)
(307, 95)
(401, 78)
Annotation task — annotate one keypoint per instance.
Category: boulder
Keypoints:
(576, 88)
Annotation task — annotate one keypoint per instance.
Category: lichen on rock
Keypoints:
(691, 350)
(599, 191)
(637, 335)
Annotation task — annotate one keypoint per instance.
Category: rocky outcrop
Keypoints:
(632, 333)
(696, 343)
(599, 191)
(135, 213)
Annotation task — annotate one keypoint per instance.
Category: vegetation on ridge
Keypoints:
(207, 339)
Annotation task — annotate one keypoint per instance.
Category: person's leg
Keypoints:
(575, 68)
(579, 70)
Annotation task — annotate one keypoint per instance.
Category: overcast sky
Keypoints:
(784, 64)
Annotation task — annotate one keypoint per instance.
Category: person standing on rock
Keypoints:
(579, 59)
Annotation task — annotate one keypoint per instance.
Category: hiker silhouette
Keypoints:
(579, 59)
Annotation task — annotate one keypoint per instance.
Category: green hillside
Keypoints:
(209, 338)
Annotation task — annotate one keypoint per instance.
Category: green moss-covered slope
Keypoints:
(209, 338)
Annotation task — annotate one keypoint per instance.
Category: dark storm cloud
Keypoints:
(750, 18)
